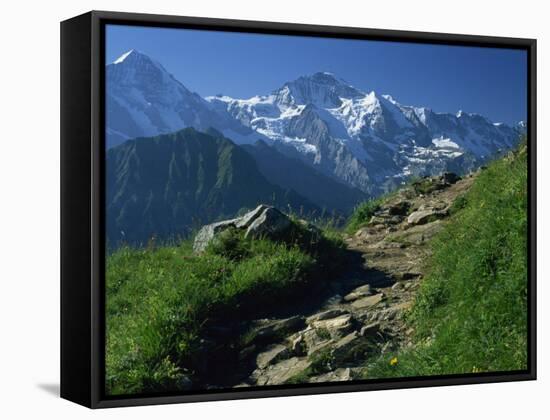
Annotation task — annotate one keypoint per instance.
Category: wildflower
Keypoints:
(393, 361)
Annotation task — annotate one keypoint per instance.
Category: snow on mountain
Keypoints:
(143, 99)
(384, 138)
(364, 139)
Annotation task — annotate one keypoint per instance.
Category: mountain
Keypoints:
(143, 100)
(366, 140)
(163, 186)
(291, 173)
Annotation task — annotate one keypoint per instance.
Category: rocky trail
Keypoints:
(358, 316)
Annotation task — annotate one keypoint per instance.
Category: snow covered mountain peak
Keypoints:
(135, 58)
(123, 57)
(322, 89)
(144, 99)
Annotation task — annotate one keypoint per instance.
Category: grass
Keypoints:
(160, 300)
(471, 312)
(363, 213)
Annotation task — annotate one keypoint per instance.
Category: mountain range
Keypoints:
(364, 139)
(317, 141)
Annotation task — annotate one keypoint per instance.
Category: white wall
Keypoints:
(29, 209)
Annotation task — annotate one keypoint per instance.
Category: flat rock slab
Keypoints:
(272, 355)
(335, 326)
(281, 372)
(269, 330)
(343, 350)
(421, 217)
(340, 374)
(368, 301)
(358, 293)
(370, 330)
(320, 316)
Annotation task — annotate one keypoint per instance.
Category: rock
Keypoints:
(281, 372)
(335, 326)
(358, 293)
(208, 232)
(397, 286)
(320, 316)
(449, 178)
(421, 217)
(363, 233)
(298, 345)
(388, 244)
(338, 375)
(264, 220)
(274, 353)
(400, 208)
(268, 331)
(370, 330)
(410, 275)
(346, 348)
(248, 218)
(270, 223)
(368, 301)
(385, 220)
(315, 341)
(419, 234)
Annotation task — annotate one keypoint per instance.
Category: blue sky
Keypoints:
(488, 81)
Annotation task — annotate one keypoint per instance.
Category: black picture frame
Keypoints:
(83, 218)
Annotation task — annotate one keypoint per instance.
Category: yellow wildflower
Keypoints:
(393, 361)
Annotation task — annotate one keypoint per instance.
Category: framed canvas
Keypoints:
(254, 209)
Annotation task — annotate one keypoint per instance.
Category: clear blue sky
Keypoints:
(491, 82)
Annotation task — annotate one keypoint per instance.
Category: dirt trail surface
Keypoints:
(360, 316)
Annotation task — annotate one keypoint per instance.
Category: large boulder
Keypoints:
(263, 221)
(270, 223)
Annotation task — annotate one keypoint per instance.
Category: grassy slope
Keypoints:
(159, 300)
(471, 311)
